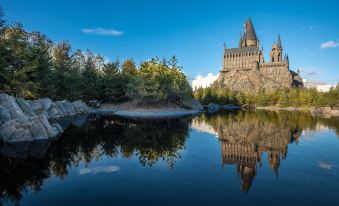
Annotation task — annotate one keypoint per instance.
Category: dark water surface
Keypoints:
(244, 157)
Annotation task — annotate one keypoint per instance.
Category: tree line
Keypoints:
(293, 97)
(32, 66)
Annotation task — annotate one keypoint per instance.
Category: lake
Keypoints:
(230, 157)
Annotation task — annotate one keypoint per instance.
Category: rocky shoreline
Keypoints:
(31, 120)
(26, 120)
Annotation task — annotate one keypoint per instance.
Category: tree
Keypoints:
(128, 67)
(283, 99)
(89, 84)
(62, 66)
(114, 82)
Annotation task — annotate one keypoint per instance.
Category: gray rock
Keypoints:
(4, 115)
(41, 106)
(9, 103)
(25, 107)
(211, 108)
(196, 105)
(23, 120)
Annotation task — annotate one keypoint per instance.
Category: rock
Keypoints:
(213, 107)
(9, 103)
(23, 120)
(25, 107)
(37, 128)
(196, 105)
(41, 106)
(4, 115)
(80, 107)
(255, 80)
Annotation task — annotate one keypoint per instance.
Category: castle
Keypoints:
(244, 68)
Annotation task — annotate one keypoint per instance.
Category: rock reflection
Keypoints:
(246, 135)
(25, 167)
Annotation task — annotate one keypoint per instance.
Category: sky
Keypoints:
(193, 31)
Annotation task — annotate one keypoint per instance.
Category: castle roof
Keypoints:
(241, 50)
(249, 30)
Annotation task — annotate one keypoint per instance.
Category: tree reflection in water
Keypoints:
(148, 141)
(244, 136)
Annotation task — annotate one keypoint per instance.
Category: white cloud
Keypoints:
(95, 170)
(329, 44)
(312, 27)
(325, 165)
(104, 32)
(204, 81)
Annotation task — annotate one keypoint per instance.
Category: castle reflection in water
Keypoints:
(245, 137)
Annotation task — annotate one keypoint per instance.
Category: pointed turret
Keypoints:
(286, 59)
(279, 42)
(250, 37)
(250, 33)
(240, 41)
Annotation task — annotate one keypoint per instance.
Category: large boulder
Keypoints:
(37, 128)
(25, 106)
(15, 112)
(41, 106)
(23, 120)
(4, 115)
(211, 108)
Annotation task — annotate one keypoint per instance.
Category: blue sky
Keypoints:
(194, 31)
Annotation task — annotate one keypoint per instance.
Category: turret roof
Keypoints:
(250, 33)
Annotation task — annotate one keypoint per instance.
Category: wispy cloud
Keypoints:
(329, 44)
(325, 165)
(103, 32)
(312, 27)
(103, 169)
(309, 71)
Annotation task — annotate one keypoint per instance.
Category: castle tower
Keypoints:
(250, 37)
(276, 51)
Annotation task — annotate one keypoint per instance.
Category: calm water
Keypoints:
(245, 157)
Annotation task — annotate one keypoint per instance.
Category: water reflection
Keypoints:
(24, 166)
(245, 135)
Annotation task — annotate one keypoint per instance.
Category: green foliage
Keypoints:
(159, 81)
(294, 97)
(32, 66)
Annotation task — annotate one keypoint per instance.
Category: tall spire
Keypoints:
(240, 41)
(250, 33)
(279, 42)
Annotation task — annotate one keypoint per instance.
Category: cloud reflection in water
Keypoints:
(99, 169)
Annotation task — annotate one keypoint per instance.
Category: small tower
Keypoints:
(276, 51)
